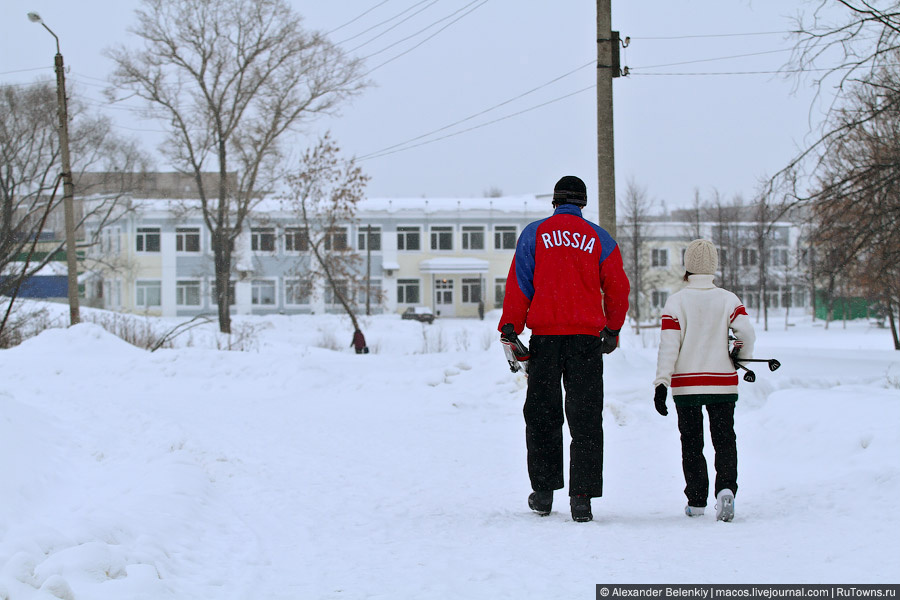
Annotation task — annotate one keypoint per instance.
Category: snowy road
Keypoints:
(300, 472)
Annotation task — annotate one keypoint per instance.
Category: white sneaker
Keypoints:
(725, 505)
(694, 511)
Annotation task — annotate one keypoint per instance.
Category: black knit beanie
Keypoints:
(570, 190)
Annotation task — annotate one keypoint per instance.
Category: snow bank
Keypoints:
(303, 470)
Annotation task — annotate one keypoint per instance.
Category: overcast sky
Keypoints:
(674, 132)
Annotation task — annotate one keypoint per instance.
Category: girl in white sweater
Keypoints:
(694, 362)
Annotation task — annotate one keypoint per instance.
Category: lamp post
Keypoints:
(68, 186)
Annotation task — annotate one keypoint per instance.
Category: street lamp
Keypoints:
(68, 186)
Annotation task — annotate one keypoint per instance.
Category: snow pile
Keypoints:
(302, 470)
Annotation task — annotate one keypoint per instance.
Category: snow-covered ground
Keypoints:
(295, 471)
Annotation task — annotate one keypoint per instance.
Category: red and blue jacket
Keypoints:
(566, 278)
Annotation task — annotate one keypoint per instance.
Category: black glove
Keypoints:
(659, 399)
(609, 340)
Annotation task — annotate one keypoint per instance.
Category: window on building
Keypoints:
(749, 298)
(333, 294)
(262, 292)
(659, 257)
(187, 292)
(723, 257)
(262, 239)
(296, 239)
(336, 239)
(374, 292)
(111, 240)
(148, 239)
(442, 238)
(408, 238)
(148, 294)
(471, 291)
(408, 291)
(472, 237)
(748, 257)
(499, 291)
(187, 239)
(113, 293)
(778, 257)
(212, 293)
(297, 291)
(369, 239)
(505, 237)
(658, 298)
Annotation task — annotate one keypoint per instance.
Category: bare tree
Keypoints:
(695, 216)
(229, 78)
(635, 215)
(727, 237)
(762, 234)
(325, 191)
(856, 200)
(30, 175)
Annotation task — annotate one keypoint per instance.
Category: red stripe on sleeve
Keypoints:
(740, 310)
(670, 322)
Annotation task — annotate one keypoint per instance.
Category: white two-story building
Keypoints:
(447, 254)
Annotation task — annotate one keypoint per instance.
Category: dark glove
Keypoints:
(609, 340)
(659, 399)
(508, 333)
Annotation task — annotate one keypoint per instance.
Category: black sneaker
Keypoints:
(581, 508)
(541, 502)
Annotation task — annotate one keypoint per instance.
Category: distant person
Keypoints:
(567, 284)
(694, 362)
(359, 342)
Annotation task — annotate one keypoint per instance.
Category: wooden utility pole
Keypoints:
(68, 187)
(606, 172)
(68, 193)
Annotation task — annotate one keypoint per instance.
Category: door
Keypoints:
(443, 297)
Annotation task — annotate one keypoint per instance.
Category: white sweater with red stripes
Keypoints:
(693, 347)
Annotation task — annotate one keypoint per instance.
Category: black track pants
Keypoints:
(577, 362)
(721, 429)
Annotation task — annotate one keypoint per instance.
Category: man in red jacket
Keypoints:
(568, 285)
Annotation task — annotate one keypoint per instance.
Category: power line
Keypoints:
(92, 77)
(714, 35)
(26, 70)
(721, 73)
(405, 52)
(356, 18)
(788, 71)
(388, 20)
(449, 135)
(400, 41)
(702, 60)
(48, 82)
(482, 112)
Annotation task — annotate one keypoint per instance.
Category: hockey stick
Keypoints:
(749, 376)
(773, 363)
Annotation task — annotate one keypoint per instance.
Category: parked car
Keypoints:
(418, 313)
